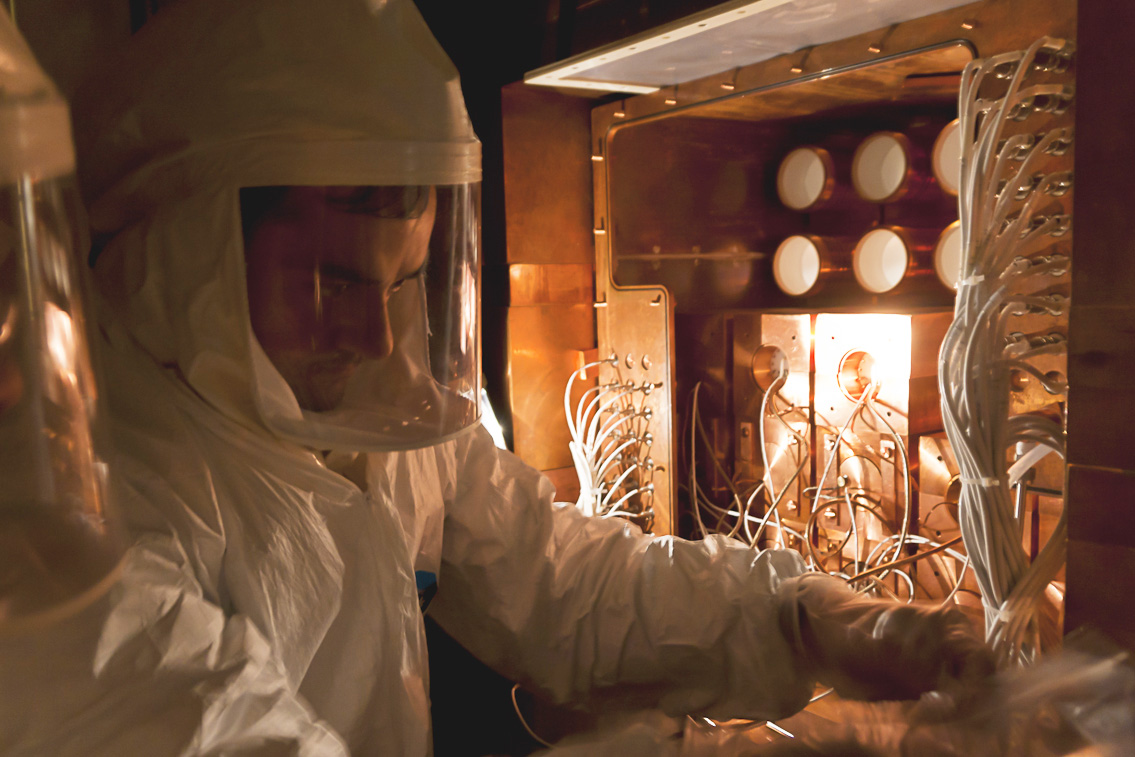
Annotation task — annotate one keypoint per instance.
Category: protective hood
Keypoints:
(35, 134)
(265, 93)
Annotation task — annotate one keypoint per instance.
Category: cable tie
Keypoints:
(972, 280)
(986, 482)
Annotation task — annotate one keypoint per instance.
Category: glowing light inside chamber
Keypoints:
(884, 339)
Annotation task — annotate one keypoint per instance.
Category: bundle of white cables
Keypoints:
(608, 433)
(999, 199)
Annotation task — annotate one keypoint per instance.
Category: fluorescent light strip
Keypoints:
(567, 73)
(557, 80)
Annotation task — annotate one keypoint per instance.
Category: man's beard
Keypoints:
(323, 383)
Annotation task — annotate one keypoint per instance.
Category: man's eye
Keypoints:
(333, 288)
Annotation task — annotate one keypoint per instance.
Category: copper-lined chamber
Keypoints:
(804, 264)
(892, 258)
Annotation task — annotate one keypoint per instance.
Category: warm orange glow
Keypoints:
(8, 326)
(60, 334)
(886, 338)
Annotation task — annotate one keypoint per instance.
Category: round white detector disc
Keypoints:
(801, 178)
(796, 265)
(879, 167)
(947, 157)
(880, 260)
(948, 255)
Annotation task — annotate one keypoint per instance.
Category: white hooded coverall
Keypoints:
(268, 604)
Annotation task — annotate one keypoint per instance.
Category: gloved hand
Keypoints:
(874, 649)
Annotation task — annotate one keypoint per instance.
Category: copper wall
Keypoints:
(1101, 363)
(551, 321)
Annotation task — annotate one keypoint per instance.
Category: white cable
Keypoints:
(998, 220)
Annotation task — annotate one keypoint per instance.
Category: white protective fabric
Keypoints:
(268, 604)
(35, 132)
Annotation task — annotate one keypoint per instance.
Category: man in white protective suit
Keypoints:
(285, 194)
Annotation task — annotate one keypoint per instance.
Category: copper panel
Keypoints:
(635, 324)
(537, 284)
(566, 482)
(548, 232)
(1026, 393)
(636, 327)
(899, 350)
(939, 488)
(1105, 244)
(1101, 582)
(547, 176)
(764, 344)
(1101, 403)
(866, 462)
(1107, 515)
(702, 350)
(545, 344)
(1101, 362)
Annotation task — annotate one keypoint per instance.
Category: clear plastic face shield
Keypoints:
(365, 301)
(58, 549)
(56, 546)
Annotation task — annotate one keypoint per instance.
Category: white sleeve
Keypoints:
(591, 609)
(152, 668)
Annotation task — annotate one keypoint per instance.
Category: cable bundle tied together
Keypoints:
(608, 433)
(999, 205)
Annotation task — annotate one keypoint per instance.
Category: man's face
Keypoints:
(322, 265)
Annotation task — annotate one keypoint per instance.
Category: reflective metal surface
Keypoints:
(898, 351)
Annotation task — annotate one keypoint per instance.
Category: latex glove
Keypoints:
(874, 649)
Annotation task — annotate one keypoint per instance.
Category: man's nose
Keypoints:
(365, 329)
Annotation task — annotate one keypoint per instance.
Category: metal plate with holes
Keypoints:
(635, 326)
